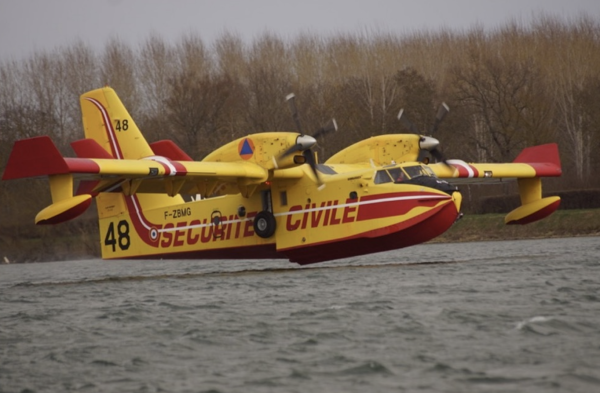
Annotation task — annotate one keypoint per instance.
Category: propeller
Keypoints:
(427, 143)
(407, 123)
(441, 113)
(304, 142)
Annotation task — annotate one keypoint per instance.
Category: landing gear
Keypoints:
(264, 224)
(264, 221)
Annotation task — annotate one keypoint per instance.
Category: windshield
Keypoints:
(382, 177)
(398, 175)
(415, 171)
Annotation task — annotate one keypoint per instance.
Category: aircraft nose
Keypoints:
(306, 141)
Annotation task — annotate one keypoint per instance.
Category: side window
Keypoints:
(415, 171)
(397, 175)
(429, 171)
(382, 177)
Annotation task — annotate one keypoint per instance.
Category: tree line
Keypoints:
(510, 87)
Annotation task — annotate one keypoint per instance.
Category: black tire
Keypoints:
(264, 224)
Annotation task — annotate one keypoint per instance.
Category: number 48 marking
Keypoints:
(122, 240)
(122, 125)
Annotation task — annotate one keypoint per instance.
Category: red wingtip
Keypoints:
(544, 158)
(33, 157)
(542, 153)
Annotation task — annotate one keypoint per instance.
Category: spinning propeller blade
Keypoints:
(291, 99)
(331, 126)
(304, 142)
(441, 113)
(427, 143)
(407, 123)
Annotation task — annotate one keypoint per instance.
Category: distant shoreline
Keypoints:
(490, 227)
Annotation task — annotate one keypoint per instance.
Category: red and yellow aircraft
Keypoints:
(263, 195)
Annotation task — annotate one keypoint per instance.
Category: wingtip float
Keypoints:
(263, 195)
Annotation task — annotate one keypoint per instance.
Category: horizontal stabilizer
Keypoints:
(169, 149)
(33, 157)
(89, 148)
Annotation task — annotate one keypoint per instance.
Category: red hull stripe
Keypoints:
(147, 231)
(375, 232)
(380, 206)
(389, 207)
(415, 231)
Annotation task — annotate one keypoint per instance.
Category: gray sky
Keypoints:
(27, 26)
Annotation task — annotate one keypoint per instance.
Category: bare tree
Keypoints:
(507, 102)
(155, 67)
(417, 97)
(268, 77)
(118, 71)
(195, 111)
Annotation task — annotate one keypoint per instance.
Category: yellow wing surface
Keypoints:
(528, 168)
(116, 156)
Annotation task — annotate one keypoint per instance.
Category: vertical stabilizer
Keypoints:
(107, 121)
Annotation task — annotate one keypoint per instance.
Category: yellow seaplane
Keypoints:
(264, 195)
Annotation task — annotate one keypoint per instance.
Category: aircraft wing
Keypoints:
(528, 168)
(533, 162)
(155, 174)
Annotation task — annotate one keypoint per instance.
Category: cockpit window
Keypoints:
(430, 171)
(398, 175)
(382, 177)
(415, 171)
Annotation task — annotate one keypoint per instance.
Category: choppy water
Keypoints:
(510, 316)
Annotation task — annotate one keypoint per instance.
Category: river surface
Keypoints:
(504, 316)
